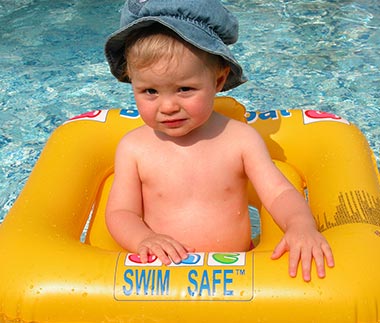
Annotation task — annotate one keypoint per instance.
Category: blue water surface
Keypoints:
(320, 54)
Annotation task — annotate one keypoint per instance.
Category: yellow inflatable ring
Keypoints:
(48, 275)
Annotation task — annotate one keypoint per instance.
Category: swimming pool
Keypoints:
(297, 54)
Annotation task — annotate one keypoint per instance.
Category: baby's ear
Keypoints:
(221, 78)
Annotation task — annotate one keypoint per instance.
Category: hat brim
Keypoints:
(197, 36)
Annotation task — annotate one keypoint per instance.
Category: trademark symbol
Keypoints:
(240, 272)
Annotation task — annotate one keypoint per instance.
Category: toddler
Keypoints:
(181, 179)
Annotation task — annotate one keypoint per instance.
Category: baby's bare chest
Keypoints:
(196, 173)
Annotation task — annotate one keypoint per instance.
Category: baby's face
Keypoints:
(175, 97)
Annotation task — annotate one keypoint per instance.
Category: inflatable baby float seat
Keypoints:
(48, 275)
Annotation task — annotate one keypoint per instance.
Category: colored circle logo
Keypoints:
(136, 258)
(192, 259)
(129, 113)
(226, 258)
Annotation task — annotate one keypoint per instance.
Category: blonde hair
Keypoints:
(149, 45)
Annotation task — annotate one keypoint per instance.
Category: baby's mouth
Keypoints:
(173, 123)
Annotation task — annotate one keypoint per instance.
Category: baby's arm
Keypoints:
(124, 214)
(289, 210)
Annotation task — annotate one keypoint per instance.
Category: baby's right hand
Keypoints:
(164, 247)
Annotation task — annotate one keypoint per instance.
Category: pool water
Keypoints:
(296, 54)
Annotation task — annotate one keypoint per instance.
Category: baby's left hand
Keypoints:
(305, 245)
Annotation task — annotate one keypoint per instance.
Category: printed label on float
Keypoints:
(312, 116)
(226, 276)
(97, 115)
(353, 207)
(253, 116)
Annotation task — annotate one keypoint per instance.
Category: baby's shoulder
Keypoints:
(244, 136)
(138, 134)
(136, 138)
(241, 128)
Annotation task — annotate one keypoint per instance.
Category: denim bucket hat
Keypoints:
(205, 24)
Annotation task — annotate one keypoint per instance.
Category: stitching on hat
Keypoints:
(136, 6)
(197, 23)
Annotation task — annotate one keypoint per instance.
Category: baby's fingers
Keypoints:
(320, 254)
(165, 248)
(280, 249)
(144, 254)
(294, 256)
(328, 255)
(294, 259)
(319, 260)
(176, 251)
(153, 248)
(162, 254)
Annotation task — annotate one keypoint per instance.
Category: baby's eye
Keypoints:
(185, 89)
(151, 91)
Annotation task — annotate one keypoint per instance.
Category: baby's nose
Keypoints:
(169, 107)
